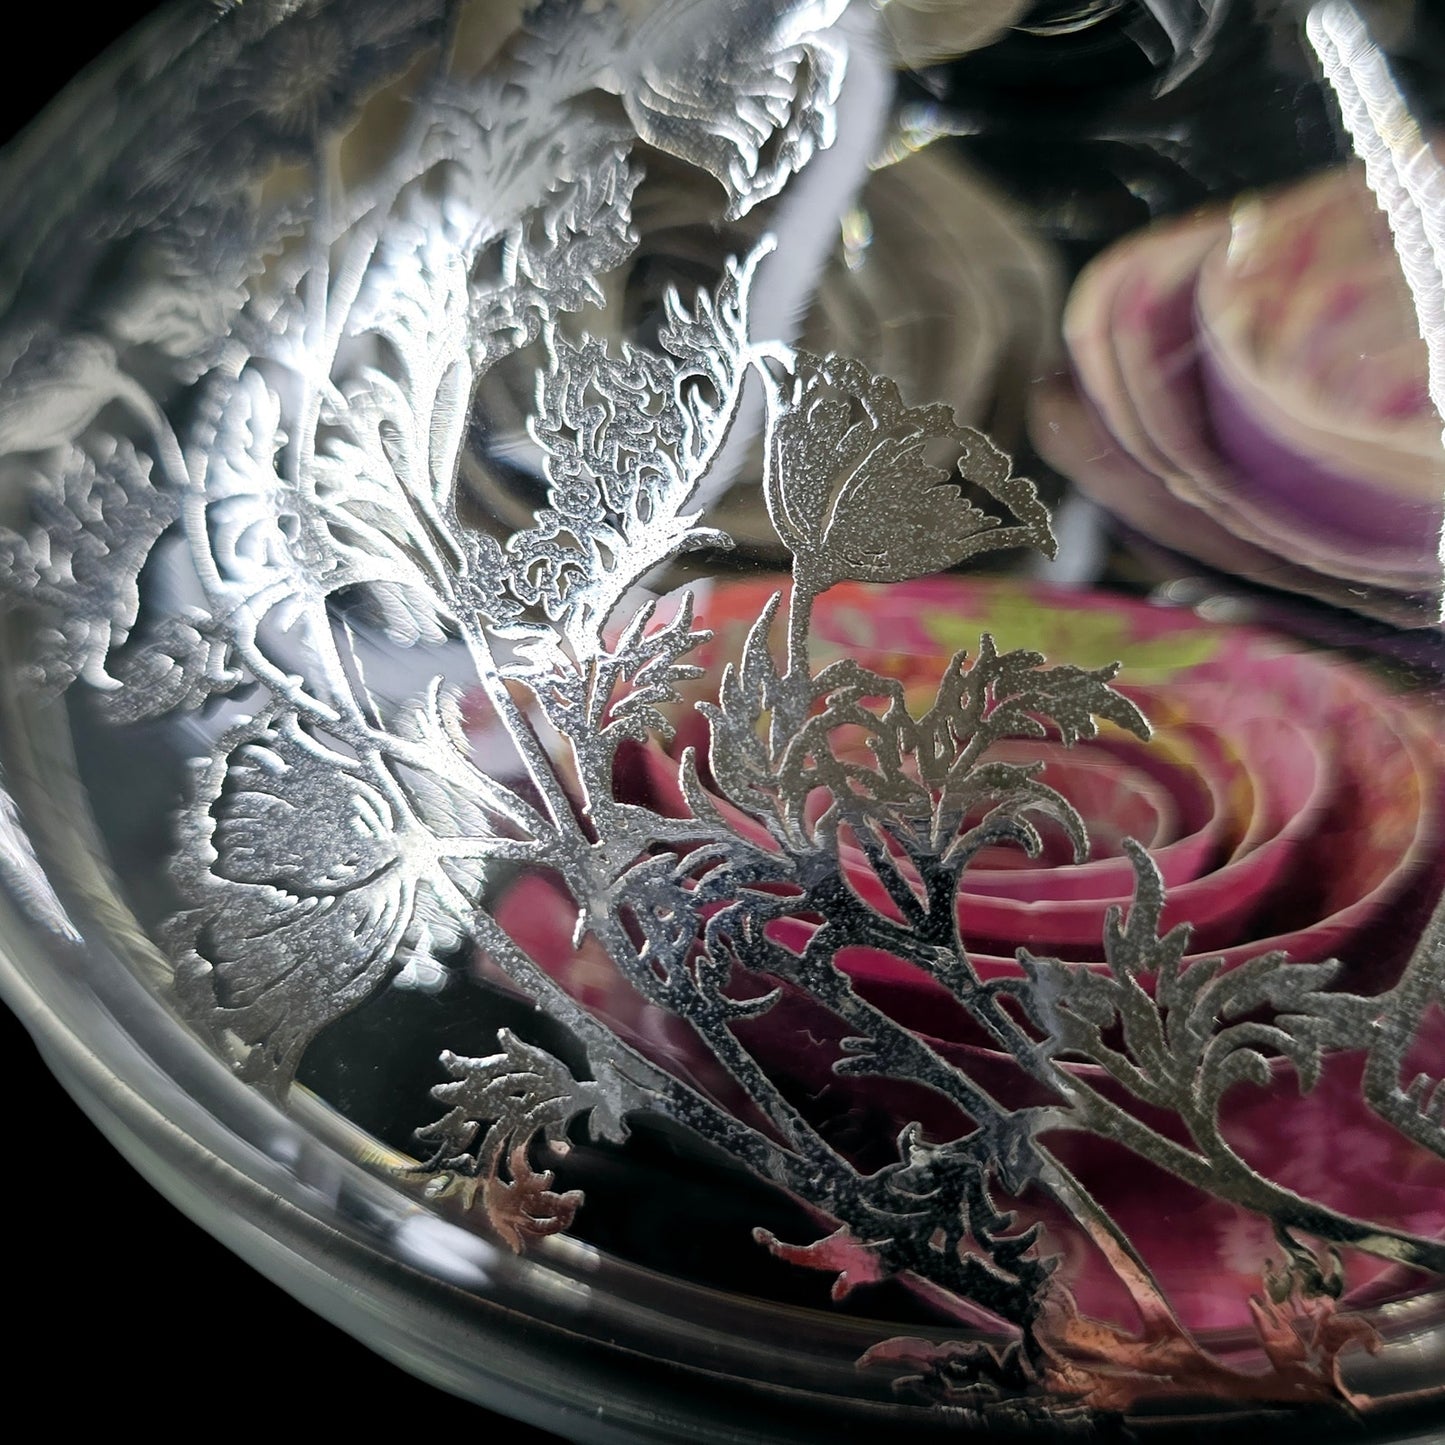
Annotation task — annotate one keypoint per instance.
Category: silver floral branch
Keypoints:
(334, 836)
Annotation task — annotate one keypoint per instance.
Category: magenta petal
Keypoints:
(1071, 438)
(1309, 490)
(1150, 325)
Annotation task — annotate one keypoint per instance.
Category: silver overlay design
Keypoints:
(238, 543)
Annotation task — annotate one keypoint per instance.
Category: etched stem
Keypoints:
(800, 618)
(1016, 1133)
(520, 731)
(712, 1027)
(667, 1095)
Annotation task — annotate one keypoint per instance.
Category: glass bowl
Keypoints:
(725, 720)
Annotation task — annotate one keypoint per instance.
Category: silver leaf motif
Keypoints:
(719, 99)
(94, 526)
(857, 491)
(310, 875)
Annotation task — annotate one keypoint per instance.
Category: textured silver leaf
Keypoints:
(861, 486)
(308, 874)
(180, 663)
(750, 103)
(94, 526)
(628, 440)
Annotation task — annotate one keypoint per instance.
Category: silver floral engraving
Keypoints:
(335, 836)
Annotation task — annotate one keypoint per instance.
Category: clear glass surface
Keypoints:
(758, 684)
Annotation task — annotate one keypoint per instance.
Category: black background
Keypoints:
(121, 1311)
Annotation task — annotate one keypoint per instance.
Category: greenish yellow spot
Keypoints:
(1086, 638)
